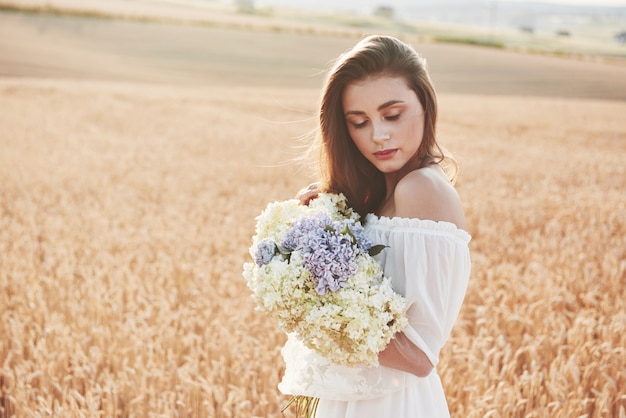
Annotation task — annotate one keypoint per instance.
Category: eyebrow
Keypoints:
(379, 108)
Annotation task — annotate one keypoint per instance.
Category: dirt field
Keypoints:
(33, 45)
(127, 206)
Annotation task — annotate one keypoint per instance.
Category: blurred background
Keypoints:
(571, 48)
(139, 139)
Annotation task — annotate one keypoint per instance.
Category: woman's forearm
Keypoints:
(402, 354)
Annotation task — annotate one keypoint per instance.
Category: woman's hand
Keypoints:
(402, 354)
(307, 194)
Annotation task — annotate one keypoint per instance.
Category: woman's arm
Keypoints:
(402, 354)
(423, 194)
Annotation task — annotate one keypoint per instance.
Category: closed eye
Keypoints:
(359, 125)
(392, 117)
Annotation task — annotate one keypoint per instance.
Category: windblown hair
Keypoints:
(343, 169)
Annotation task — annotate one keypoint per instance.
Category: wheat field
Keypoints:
(126, 212)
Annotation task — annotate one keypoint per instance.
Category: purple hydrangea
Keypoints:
(357, 230)
(265, 251)
(329, 248)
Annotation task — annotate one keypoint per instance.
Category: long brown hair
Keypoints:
(342, 167)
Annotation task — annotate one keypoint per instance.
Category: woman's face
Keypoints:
(385, 120)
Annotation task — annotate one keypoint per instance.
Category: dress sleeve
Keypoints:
(431, 268)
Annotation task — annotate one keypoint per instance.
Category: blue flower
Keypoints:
(308, 228)
(329, 248)
(358, 232)
(265, 251)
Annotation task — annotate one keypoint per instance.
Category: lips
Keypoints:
(385, 154)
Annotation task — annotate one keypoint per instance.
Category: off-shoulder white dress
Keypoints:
(429, 263)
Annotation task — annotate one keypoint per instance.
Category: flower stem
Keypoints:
(306, 406)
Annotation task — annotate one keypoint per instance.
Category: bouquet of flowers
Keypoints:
(314, 269)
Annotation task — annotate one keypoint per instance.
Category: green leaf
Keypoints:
(282, 250)
(348, 231)
(376, 249)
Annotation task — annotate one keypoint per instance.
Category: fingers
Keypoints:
(307, 194)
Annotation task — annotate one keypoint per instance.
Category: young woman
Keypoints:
(377, 146)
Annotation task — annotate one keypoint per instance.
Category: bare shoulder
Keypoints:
(428, 194)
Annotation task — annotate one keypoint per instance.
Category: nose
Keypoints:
(380, 134)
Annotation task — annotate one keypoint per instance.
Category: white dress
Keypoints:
(429, 263)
